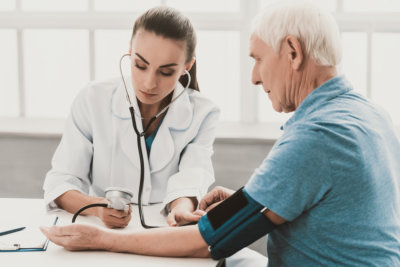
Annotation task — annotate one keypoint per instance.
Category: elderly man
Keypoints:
(330, 184)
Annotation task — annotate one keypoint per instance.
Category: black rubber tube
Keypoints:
(86, 207)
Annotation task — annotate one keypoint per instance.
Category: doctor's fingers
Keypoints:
(218, 194)
(187, 219)
(171, 219)
(115, 222)
(117, 213)
(212, 206)
(180, 218)
(199, 212)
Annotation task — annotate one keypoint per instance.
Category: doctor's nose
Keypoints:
(150, 81)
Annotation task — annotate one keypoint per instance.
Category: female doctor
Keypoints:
(99, 146)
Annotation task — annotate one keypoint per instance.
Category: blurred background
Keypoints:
(49, 50)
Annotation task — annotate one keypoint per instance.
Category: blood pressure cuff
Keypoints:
(234, 224)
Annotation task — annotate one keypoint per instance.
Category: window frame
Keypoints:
(92, 20)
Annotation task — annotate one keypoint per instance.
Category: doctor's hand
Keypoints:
(113, 218)
(182, 211)
(76, 237)
(214, 198)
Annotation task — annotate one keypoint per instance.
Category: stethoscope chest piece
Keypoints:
(119, 198)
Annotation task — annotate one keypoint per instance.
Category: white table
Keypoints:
(57, 256)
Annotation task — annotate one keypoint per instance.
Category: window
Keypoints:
(7, 5)
(206, 6)
(354, 59)
(52, 48)
(54, 5)
(109, 48)
(382, 6)
(124, 5)
(385, 88)
(218, 70)
(62, 56)
(9, 94)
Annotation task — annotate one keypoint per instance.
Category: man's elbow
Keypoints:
(201, 253)
(273, 217)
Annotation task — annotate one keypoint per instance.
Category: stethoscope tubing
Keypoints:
(139, 145)
(142, 134)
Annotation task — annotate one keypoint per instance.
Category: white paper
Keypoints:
(30, 237)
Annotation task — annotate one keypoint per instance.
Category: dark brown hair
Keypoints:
(170, 23)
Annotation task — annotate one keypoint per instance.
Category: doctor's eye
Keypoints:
(166, 73)
(140, 67)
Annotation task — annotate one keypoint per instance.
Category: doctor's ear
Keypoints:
(189, 65)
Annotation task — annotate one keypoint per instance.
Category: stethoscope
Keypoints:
(120, 198)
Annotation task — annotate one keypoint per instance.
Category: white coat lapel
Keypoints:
(178, 118)
(126, 135)
(162, 149)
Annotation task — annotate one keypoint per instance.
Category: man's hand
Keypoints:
(213, 198)
(182, 211)
(76, 237)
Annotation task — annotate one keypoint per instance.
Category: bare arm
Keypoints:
(185, 241)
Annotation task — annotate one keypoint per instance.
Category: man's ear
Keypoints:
(292, 48)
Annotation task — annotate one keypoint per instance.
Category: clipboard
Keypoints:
(29, 239)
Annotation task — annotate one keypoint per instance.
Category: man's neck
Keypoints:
(311, 78)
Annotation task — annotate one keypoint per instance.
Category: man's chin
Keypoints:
(277, 108)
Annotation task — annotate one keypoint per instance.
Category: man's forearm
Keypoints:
(185, 241)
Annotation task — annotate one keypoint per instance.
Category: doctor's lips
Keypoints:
(147, 94)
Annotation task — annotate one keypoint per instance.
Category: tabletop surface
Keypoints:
(60, 257)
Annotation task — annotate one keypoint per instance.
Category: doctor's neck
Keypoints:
(149, 110)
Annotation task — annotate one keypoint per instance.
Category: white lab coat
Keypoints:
(99, 147)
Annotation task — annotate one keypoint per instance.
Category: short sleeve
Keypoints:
(295, 175)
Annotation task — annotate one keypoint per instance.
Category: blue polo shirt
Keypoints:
(334, 175)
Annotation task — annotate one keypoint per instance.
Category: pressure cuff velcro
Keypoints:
(234, 224)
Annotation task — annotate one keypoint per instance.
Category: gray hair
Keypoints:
(315, 28)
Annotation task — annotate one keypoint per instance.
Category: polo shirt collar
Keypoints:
(319, 96)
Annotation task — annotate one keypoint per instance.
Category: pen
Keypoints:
(12, 231)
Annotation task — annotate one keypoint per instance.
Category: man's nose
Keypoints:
(255, 77)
